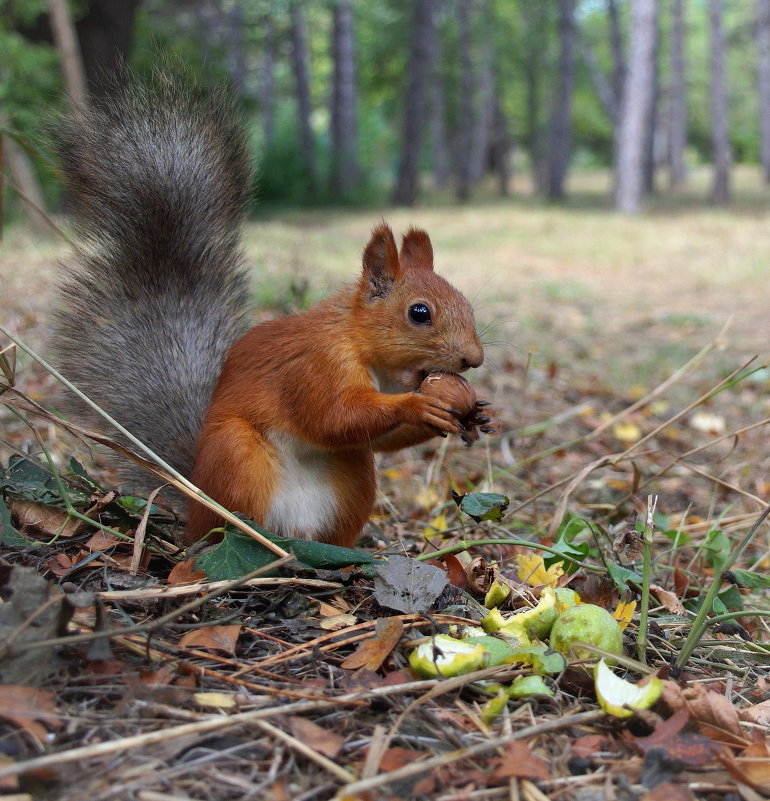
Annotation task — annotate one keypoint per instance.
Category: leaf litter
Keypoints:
(218, 687)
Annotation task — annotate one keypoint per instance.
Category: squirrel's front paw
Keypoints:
(434, 412)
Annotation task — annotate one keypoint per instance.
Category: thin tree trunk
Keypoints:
(763, 81)
(501, 147)
(637, 97)
(267, 80)
(407, 181)
(619, 66)
(467, 118)
(439, 147)
(651, 127)
(344, 124)
(301, 67)
(602, 85)
(69, 52)
(27, 186)
(677, 108)
(560, 124)
(720, 193)
(535, 17)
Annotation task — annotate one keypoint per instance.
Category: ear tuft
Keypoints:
(380, 261)
(416, 250)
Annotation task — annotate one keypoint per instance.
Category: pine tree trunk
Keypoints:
(720, 193)
(637, 98)
(535, 17)
(344, 123)
(69, 51)
(651, 126)
(500, 147)
(619, 65)
(763, 82)
(301, 68)
(559, 139)
(407, 181)
(467, 114)
(267, 81)
(677, 108)
(439, 147)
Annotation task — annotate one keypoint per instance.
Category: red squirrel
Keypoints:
(281, 422)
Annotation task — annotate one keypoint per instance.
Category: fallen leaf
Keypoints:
(588, 745)
(715, 716)
(519, 762)
(373, 652)
(455, 571)
(212, 638)
(185, 572)
(668, 791)
(215, 700)
(688, 748)
(323, 740)
(32, 710)
(752, 766)
(626, 431)
(338, 621)
(407, 585)
(436, 526)
(44, 522)
(531, 569)
(758, 713)
(623, 613)
(102, 540)
(668, 600)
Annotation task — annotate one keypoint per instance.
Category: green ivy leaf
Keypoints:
(623, 577)
(9, 535)
(752, 581)
(482, 505)
(717, 547)
(238, 554)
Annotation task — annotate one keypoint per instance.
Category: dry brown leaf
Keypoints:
(44, 522)
(587, 745)
(752, 767)
(758, 713)
(185, 572)
(60, 564)
(689, 748)
(212, 638)
(338, 621)
(30, 709)
(519, 762)
(668, 600)
(324, 741)
(371, 653)
(668, 791)
(102, 540)
(715, 716)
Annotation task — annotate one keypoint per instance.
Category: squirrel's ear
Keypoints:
(416, 250)
(380, 261)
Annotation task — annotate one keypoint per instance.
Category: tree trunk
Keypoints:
(619, 66)
(500, 147)
(677, 104)
(467, 120)
(535, 18)
(267, 80)
(344, 125)
(602, 85)
(69, 52)
(439, 147)
(27, 186)
(637, 97)
(651, 126)
(763, 81)
(720, 193)
(301, 68)
(559, 139)
(407, 181)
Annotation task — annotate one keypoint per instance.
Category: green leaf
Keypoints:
(753, 581)
(482, 505)
(623, 577)
(717, 547)
(10, 536)
(238, 554)
(26, 479)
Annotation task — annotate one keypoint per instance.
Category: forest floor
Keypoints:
(586, 315)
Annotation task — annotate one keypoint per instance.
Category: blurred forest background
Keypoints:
(407, 101)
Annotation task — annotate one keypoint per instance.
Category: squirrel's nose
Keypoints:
(473, 358)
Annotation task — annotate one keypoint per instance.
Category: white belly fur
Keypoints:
(304, 503)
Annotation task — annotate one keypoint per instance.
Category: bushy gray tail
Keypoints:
(158, 179)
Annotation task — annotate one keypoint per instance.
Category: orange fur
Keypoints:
(304, 401)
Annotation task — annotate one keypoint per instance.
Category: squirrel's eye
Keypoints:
(419, 313)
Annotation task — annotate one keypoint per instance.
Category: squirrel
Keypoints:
(279, 422)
